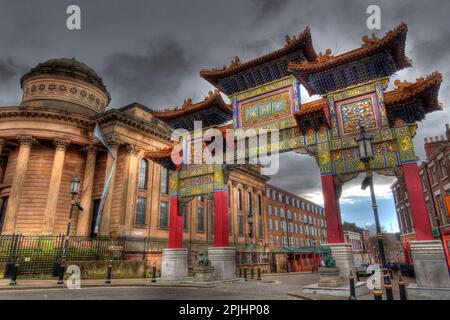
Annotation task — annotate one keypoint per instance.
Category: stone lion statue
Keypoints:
(327, 258)
(203, 260)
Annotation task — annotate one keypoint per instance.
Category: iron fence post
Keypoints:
(259, 274)
(245, 274)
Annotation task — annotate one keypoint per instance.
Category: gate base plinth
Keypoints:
(334, 281)
(341, 291)
(174, 265)
(430, 267)
(223, 259)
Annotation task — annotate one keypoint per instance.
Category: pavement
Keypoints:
(272, 286)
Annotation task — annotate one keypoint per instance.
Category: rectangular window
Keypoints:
(271, 239)
(283, 225)
(276, 225)
(261, 229)
(424, 184)
(164, 181)
(275, 211)
(270, 224)
(443, 168)
(200, 220)
(164, 214)
(281, 213)
(278, 240)
(141, 208)
(269, 209)
(434, 177)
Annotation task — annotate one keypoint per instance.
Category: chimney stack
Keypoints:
(432, 143)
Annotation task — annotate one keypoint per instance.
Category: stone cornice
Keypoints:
(155, 127)
(38, 114)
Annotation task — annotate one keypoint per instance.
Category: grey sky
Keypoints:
(152, 51)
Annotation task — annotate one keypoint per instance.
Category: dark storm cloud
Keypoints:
(152, 51)
(148, 78)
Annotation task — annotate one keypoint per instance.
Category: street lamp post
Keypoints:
(366, 154)
(74, 191)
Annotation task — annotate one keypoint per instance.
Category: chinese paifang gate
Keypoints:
(265, 94)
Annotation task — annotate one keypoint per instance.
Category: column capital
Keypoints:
(25, 140)
(132, 148)
(61, 144)
(91, 149)
(114, 142)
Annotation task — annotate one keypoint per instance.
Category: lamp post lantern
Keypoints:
(74, 191)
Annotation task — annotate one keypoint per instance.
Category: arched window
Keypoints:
(142, 179)
(259, 205)
(249, 202)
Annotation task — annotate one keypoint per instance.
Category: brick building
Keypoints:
(362, 244)
(296, 227)
(434, 174)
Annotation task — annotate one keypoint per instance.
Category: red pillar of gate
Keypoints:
(332, 210)
(175, 225)
(221, 218)
(416, 199)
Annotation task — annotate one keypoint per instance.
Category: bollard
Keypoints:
(61, 270)
(252, 272)
(15, 271)
(109, 273)
(245, 274)
(388, 285)
(377, 294)
(352, 287)
(259, 274)
(401, 287)
(154, 274)
(240, 272)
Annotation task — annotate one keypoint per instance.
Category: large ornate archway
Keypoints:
(265, 95)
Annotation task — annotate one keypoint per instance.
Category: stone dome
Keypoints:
(66, 84)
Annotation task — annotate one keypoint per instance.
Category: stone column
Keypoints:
(85, 216)
(105, 219)
(130, 188)
(332, 210)
(55, 184)
(9, 225)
